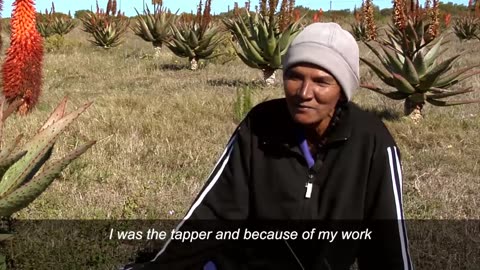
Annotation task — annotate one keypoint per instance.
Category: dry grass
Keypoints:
(160, 130)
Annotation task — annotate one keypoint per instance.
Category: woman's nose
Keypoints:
(305, 92)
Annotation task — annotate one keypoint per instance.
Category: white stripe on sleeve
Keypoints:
(398, 206)
(222, 162)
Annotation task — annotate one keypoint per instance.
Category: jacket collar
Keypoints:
(290, 133)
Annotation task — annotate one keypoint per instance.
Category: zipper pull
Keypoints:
(308, 192)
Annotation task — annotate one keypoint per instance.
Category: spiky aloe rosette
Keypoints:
(27, 172)
(196, 39)
(22, 69)
(410, 64)
(261, 41)
(154, 27)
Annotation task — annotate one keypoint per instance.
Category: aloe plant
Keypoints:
(364, 27)
(196, 39)
(359, 31)
(467, 28)
(63, 26)
(410, 64)
(191, 42)
(154, 27)
(26, 172)
(106, 27)
(261, 42)
(44, 27)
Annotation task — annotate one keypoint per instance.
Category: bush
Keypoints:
(243, 103)
(57, 43)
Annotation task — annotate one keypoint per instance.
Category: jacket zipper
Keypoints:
(309, 185)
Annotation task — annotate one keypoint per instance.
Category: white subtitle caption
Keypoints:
(240, 234)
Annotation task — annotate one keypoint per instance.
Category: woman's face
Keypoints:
(311, 93)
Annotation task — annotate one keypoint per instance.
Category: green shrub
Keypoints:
(243, 103)
(58, 43)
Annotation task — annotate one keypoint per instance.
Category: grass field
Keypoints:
(160, 129)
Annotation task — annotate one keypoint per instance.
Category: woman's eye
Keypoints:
(322, 83)
(293, 77)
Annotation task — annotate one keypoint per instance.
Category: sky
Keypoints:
(128, 6)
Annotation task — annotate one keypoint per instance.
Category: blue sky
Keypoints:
(187, 5)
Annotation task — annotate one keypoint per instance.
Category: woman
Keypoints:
(311, 156)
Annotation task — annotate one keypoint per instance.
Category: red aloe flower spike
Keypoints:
(318, 15)
(1, 40)
(296, 13)
(235, 9)
(477, 8)
(114, 7)
(448, 19)
(109, 7)
(22, 69)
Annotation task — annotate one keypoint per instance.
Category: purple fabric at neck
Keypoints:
(306, 153)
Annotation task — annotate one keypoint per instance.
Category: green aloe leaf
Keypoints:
(36, 149)
(420, 65)
(377, 53)
(245, 59)
(410, 72)
(56, 115)
(402, 84)
(7, 162)
(263, 34)
(394, 64)
(432, 54)
(429, 79)
(205, 42)
(192, 40)
(25, 194)
(272, 42)
(277, 59)
(393, 95)
(451, 79)
(450, 94)
(384, 75)
(284, 39)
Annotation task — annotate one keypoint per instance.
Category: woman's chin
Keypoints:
(304, 119)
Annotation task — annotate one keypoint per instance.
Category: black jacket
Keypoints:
(262, 175)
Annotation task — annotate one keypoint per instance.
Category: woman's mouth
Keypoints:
(303, 107)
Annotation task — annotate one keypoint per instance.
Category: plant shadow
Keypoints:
(235, 83)
(173, 67)
(386, 113)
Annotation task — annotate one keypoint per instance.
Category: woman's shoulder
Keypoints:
(269, 108)
(269, 111)
(367, 123)
(270, 118)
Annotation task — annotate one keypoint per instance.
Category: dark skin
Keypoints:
(312, 94)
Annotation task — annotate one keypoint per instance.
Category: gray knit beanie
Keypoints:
(329, 46)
